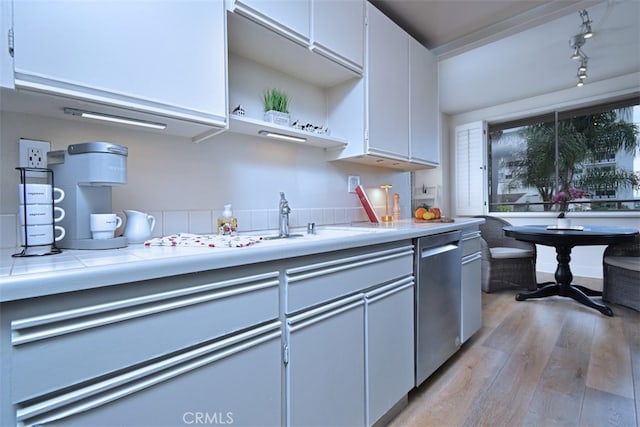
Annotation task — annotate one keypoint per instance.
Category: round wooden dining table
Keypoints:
(564, 239)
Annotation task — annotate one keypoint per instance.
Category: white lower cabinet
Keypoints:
(233, 384)
(471, 311)
(390, 346)
(326, 365)
(325, 339)
(158, 352)
(349, 351)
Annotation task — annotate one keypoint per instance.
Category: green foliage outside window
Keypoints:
(585, 158)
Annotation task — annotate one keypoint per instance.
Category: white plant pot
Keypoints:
(564, 223)
(276, 117)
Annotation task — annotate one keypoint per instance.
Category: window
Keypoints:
(579, 160)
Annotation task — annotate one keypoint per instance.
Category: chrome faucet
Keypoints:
(284, 211)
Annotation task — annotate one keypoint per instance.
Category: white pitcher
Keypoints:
(139, 226)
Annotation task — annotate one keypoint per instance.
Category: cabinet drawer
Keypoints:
(61, 348)
(313, 284)
(211, 380)
(470, 243)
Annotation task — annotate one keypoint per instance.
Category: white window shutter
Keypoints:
(469, 173)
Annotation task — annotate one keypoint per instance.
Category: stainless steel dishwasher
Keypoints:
(438, 301)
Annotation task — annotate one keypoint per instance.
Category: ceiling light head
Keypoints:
(582, 75)
(576, 43)
(577, 54)
(580, 83)
(583, 67)
(585, 28)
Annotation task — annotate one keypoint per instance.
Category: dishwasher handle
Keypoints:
(438, 243)
(437, 250)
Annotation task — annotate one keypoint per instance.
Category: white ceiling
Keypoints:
(496, 51)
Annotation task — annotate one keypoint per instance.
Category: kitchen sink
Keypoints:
(290, 236)
(325, 232)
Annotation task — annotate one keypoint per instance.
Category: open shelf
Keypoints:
(249, 126)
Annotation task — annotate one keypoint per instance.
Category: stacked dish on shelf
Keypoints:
(38, 214)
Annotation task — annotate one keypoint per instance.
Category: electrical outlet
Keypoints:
(352, 182)
(33, 154)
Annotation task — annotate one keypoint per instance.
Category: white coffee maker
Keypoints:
(86, 172)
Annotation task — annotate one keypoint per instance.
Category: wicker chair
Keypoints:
(621, 274)
(506, 262)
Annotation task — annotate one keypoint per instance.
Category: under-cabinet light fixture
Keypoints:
(114, 119)
(281, 136)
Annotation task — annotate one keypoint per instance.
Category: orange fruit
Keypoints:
(428, 215)
(420, 212)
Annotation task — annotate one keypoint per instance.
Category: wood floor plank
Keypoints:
(452, 392)
(496, 306)
(506, 401)
(610, 367)
(606, 409)
(559, 394)
(515, 324)
(631, 324)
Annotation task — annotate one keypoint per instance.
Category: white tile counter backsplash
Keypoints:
(204, 221)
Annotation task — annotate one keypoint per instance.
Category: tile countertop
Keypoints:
(74, 270)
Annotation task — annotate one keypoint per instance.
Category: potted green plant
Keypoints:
(276, 107)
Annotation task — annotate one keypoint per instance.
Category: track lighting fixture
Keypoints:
(577, 41)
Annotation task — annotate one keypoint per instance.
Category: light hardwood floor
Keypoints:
(546, 362)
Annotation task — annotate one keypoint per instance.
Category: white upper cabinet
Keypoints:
(338, 31)
(424, 139)
(397, 99)
(288, 17)
(165, 58)
(331, 28)
(387, 74)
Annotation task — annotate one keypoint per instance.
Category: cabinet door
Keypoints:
(390, 346)
(471, 310)
(338, 31)
(288, 17)
(211, 384)
(163, 57)
(326, 366)
(388, 86)
(425, 144)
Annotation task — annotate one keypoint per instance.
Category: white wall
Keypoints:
(175, 178)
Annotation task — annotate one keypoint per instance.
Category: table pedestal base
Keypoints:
(577, 292)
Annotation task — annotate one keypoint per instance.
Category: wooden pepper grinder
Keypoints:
(396, 207)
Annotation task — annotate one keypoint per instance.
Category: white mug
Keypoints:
(103, 226)
(40, 214)
(41, 234)
(39, 193)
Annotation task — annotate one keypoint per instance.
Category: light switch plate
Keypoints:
(352, 182)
